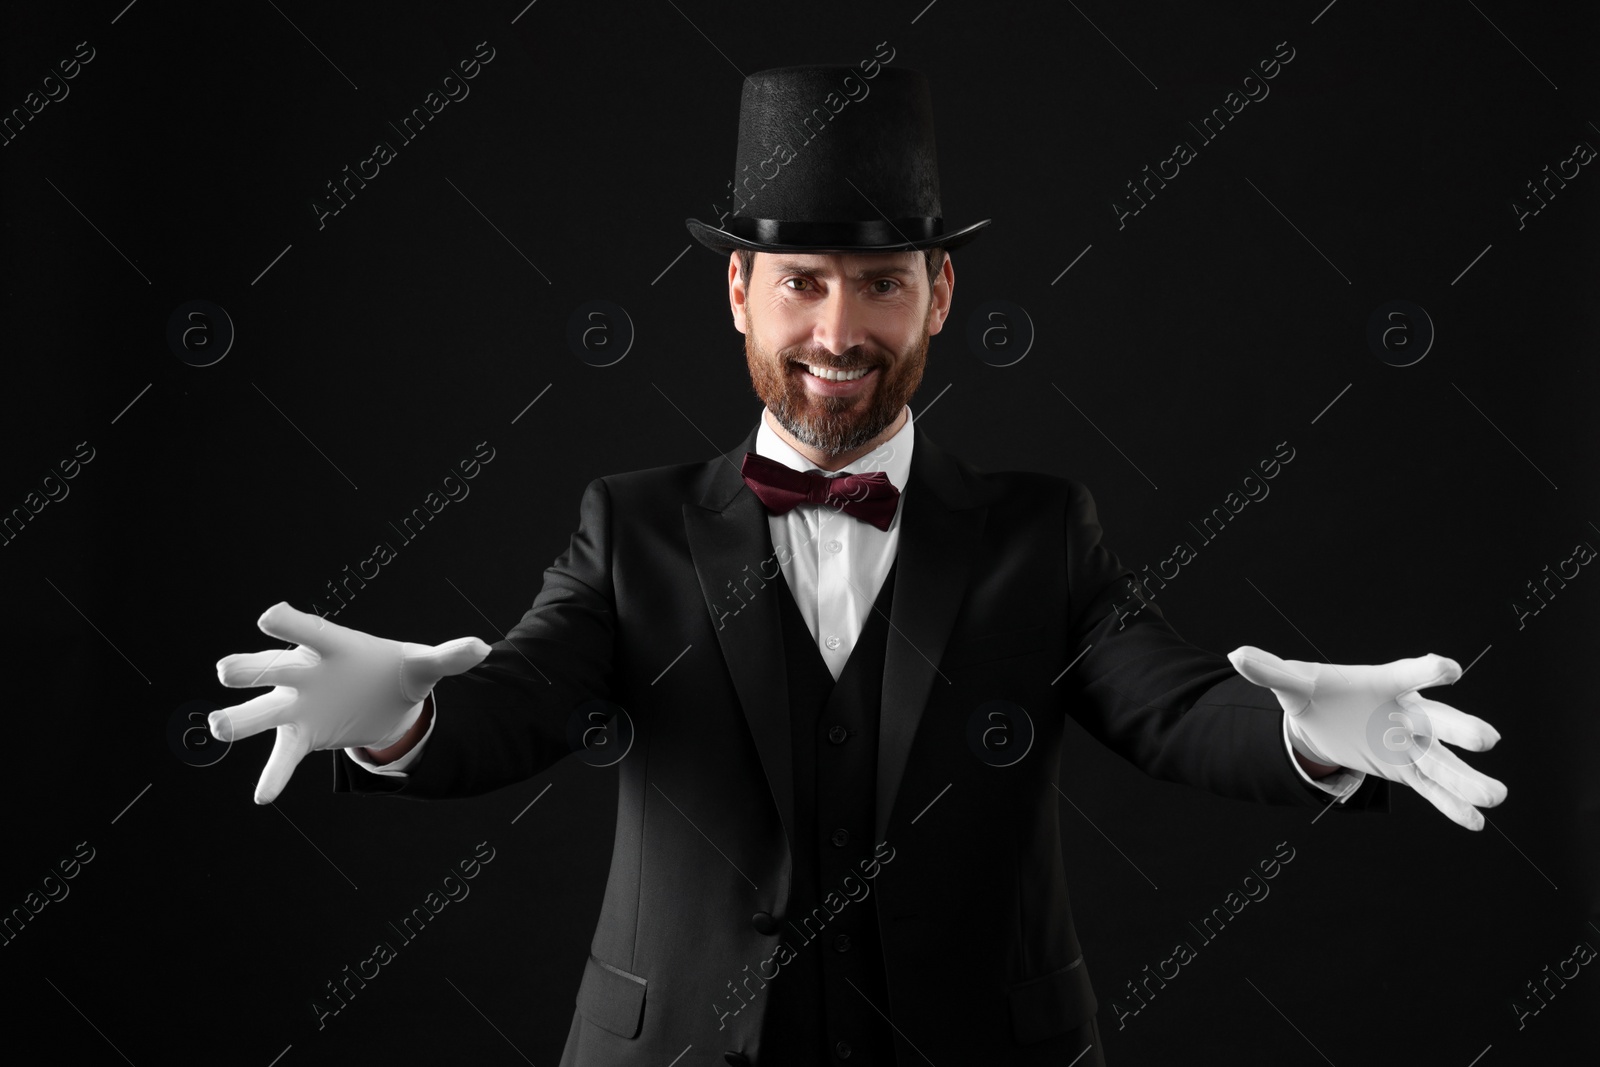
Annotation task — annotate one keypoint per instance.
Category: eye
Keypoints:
(890, 282)
(786, 281)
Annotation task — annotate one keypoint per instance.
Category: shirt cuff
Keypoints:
(397, 768)
(1341, 783)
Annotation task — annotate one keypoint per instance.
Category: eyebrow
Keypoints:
(860, 275)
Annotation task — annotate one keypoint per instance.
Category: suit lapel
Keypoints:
(731, 545)
(940, 526)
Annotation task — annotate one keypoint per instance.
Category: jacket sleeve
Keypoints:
(1176, 711)
(512, 716)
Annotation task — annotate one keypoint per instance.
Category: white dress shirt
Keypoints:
(835, 565)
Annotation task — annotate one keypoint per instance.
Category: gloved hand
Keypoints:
(340, 688)
(1370, 718)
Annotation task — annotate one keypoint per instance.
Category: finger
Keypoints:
(1284, 677)
(1455, 774)
(288, 750)
(288, 624)
(1454, 808)
(246, 670)
(251, 717)
(1451, 724)
(1420, 672)
(452, 657)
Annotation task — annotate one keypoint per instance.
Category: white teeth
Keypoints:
(837, 376)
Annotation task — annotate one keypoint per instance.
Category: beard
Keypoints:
(834, 425)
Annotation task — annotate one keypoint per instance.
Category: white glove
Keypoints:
(340, 688)
(1370, 718)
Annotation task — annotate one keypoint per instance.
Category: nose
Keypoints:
(841, 324)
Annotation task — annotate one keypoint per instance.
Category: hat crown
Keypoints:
(826, 143)
(834, 158)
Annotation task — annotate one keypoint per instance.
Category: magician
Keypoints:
(834, 664)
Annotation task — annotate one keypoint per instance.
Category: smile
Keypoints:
(826, 381)
(829, 374)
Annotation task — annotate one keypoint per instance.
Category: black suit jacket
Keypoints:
(1002, 583)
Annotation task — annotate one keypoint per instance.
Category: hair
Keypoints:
(933, 258)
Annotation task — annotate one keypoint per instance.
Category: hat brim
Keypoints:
(719, 240)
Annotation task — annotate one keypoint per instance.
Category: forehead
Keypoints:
(839, 264)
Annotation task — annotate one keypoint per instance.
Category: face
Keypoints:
(844, 313)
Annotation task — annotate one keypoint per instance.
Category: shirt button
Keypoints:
(838, 734)
(764, 923)
(842, 1050)
(834, 546)
(832, 642)
(842, 943)
(840, 838)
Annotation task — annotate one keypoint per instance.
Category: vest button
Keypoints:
(842, 1050)
(840, 838)
(838, 734)
(764, 923)
(842, 943)
(737, 1059)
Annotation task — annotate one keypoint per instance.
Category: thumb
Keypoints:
(288, 749)
(1285, 677)
(452, 657)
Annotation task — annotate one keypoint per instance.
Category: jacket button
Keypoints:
(840, 838)
(838, 734)
(842, 943)
(764, 923)
(737, 1059)
(842, 1050)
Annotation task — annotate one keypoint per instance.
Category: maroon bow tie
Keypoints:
(869, 497)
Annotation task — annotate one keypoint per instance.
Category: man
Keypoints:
(836, 662)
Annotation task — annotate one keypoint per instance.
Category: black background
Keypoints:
(378, 350)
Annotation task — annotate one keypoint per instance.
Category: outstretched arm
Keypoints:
(1254, 731)
(509, 705)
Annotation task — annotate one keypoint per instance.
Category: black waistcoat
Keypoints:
(832, 922)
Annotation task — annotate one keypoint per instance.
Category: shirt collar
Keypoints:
(893, 456)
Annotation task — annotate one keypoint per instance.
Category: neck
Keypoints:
(823, 460)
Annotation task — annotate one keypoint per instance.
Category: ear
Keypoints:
(737, 292)
(944, 288)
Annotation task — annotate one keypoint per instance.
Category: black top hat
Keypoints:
(830, 160)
